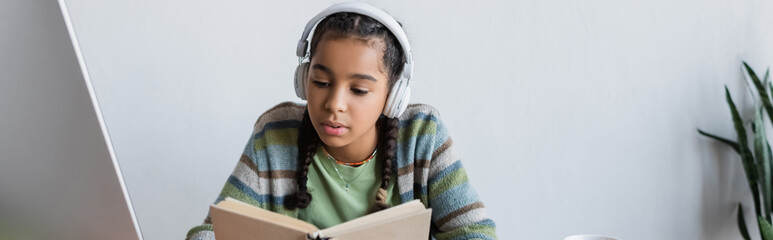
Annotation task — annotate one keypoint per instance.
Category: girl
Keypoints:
(352, 149)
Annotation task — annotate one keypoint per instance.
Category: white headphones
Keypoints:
(397, 101)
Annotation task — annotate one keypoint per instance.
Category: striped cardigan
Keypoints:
(427, 169)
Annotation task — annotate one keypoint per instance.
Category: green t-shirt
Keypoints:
(331, 204)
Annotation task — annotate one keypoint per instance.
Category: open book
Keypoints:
(233, 219)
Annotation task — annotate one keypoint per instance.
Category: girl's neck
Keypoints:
(357, 151)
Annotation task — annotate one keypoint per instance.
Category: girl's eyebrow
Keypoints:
(356, 75)
(363, 76)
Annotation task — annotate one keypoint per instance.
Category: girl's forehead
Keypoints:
(373, 40)
(349, 54)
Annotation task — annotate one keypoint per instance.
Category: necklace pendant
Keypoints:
(347, 187)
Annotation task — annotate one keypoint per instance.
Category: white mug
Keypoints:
(589, 237)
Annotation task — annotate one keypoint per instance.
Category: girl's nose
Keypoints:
(336, 101)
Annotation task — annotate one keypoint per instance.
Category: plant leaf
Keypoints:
(770, 85)
(766, 82)
(766, 230)
(761, 91)
(762, 156)
(747, 159)
(770, 170)
(742, 223)
(731, 143)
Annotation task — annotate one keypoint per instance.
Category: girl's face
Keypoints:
(346, 91)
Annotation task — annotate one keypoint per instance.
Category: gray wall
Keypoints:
(570, 116)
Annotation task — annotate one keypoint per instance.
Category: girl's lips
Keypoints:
(335, 131)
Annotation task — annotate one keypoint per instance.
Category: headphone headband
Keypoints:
(367, 10)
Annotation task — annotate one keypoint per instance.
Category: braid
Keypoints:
(389, 131)
(392, 131)
(307, 147)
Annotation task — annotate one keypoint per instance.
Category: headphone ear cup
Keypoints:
(301, 73)
(397, 100)
(388, 106)
(403, 104)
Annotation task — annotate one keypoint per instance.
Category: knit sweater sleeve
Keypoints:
(457, 211)
(244, 183)
(236, 187)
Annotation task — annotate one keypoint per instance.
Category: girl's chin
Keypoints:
(332, 141)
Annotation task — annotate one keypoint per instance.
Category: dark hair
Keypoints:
(345, 25)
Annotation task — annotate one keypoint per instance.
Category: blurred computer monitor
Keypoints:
(59, 176)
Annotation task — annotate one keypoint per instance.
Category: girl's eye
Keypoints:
(359, 92)
(321, 84)
(325, 84)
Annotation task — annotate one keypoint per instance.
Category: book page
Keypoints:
(412, 227)
(409, 208)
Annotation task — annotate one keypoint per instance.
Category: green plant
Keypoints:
(757, 164)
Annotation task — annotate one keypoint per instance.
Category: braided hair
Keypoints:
(346, 25)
